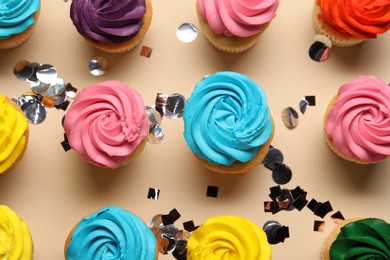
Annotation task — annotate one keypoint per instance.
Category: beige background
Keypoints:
(52, 189)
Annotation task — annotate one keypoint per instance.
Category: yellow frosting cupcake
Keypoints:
(13, 133)
(15, 238)
(228, 238)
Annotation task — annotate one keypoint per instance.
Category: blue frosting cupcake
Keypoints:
(227, 123)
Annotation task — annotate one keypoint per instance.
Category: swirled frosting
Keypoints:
(227, 118)
(13, 125)
(359, 18)
(111, 233)
(359, 122)
(16, 16)
(15, 238)
(362, 239)
(228, 238)
(108, 21)
(242, 18)
(106, 123)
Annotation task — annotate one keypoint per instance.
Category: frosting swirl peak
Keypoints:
(242, 18)
(15, 237)
(13, 125)
(359, 18)
(110, 21)
(16, 16)
(228, 238)
(359, 122)
(106, 123)
(362, 239)
(111, 233)
(227, 118)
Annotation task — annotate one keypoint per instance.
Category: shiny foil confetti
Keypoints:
(146, 51)
(319, 226)
(212, 191)
(337, 217)
(153, 193)
(276, 233)
(281, 174)
(186, 32)
(48, 90)
(170, 239)
(98, 65)
(290, 117)
(273, 157)
(320, 209)
(319, 50)
(303, 104)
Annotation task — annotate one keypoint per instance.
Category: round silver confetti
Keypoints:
(319, 50)
(25, 100)
(33, 78)
(186, 32)
(23, 70)
(55, 89)
(98, 65)
(156, 134)
(169, 229)
(281, 174)
(61, 99)
(270, 227)
(174, 107)
(39, 87)
(167, 244)
(47, 74)
(180, 251)
(154, 116)
(290, 117)
(273, 157)
(303, 104)
(35, 113)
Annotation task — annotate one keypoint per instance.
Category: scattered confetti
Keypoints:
(153, 193)
(212, 191)
(146, 51)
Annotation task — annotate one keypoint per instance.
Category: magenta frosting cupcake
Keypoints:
(106, 124)
(357, 121)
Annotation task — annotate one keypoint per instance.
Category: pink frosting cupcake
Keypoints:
(357, 121)
(235, 25)
(107, 125)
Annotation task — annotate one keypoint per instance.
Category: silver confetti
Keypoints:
(23, 70)
(303, 104)
(290, 117)
(186, 32)
(98, 65)
(55, 89)
(35, 113)
(270, 227)
(47, 74)
(171, 106)
(156, 134)
(320, 49)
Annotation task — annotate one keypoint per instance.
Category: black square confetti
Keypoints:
(212, 191)
(338, 215)
(153, 193)
(65, 144)
(167, 219)
(300, 203)
(311, 100)
(175, 215)
(319, 226)
(189, 226)
(275, 192)
(282, 233)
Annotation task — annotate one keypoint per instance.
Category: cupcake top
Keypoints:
(229, 238)
(359, 18)
(111, 233)
(106, 123)
(227, 118)
(16, 16)
(359, 122)
(242, 18)
(13, 125)
(362, 239)
(108, 21)
(15, 238)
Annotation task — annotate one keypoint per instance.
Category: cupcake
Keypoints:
(107, 124)
(112, 26)
(111, 233)
(357, 121)
(228, 237)
(13, 133)
(356, 238)
(17, 21)
(234, 26)
(15, 237)
(347, 23)
(227, 123)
